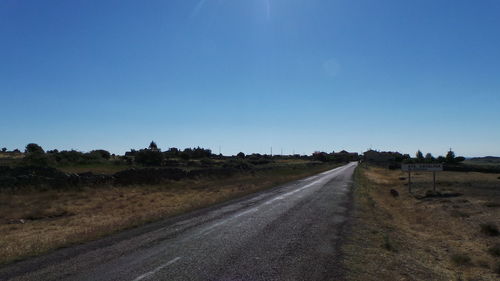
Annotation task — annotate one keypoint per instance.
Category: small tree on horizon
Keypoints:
(429, 157)
(4, 149)
(450, 157)
(33, 148)
(420, 155)
(153, 146)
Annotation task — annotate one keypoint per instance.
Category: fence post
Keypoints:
(434, 180)
(409, 181)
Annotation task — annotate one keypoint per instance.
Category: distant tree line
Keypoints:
(338, 157)
(153, 156)
(35, 155)
(450, 158)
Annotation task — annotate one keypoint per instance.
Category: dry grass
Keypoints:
(33, 222)
(435, 238)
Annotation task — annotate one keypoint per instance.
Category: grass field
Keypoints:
(34, 222)
(492, 161)
(414, 237)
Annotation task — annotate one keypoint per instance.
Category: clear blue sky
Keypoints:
(297, 75)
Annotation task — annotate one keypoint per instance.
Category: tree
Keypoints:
(172, 152)
(100, 153)
(320, 156)
(33, 148)
(240, 155)
(429, 157)
(199, 152)
(420, 155)
(4, 149)
(35, 156)
(153, 146)
(450, 156)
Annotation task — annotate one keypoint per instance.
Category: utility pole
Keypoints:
(271, 151)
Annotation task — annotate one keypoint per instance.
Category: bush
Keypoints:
(172, 163)
(495, 250)
(207, 162)
(148, 157)
(192, 163)
(489, 229)
(36, 159)
(69, 157)
(238, 164)
(497, 268)
(461, 259)
(388, 245)
(261, 161)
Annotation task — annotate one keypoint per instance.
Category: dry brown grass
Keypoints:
(406, 238)
(34, 222)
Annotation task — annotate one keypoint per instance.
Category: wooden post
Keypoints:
(434, 180)
(409, 181)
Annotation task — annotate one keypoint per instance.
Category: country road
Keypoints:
(291, 232)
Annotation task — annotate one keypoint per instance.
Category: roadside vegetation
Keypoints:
(55, 199)
(448, 235)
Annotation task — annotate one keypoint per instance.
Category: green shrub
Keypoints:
(461, 259)
(489, 229)
(388, 245)
(149, 157)
(36, 159)
(497, 268)
(495, 250)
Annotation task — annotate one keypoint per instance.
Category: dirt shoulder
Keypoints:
(424, 236)
(35, 222)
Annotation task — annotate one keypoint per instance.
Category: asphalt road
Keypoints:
(292, 232)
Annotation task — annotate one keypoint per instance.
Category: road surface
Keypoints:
(292, 232)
